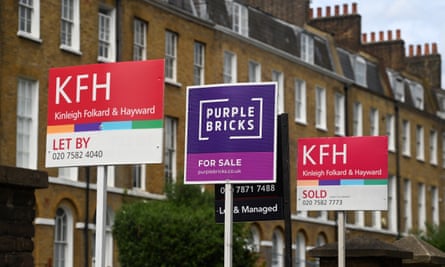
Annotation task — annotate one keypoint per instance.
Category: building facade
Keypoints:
(332, 81)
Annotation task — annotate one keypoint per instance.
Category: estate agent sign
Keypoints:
(231, 133)
(103, 114)
(342, 173)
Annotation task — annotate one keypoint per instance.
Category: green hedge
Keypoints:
(180, 231)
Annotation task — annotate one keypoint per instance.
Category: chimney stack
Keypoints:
(354, 8)
(364, 38)
(434, 52)
(426, 50)
(345, 9)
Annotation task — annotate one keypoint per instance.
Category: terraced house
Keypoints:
(333, 80)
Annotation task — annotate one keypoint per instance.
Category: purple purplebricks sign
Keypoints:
(230, 133)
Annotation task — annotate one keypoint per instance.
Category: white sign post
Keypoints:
(101, 215)
(228, 225)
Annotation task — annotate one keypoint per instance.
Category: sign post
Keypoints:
(342, 173)
(228, 226)
(230, 138)
(101, 215)
(105, 114)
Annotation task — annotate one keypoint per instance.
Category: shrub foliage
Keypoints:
(180, 231)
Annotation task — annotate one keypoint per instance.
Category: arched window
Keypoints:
(254, 239)
(63, 238)
(277, 249)
(300, 250)
(321, 240)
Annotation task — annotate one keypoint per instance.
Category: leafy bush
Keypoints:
(180, 231)
(435, 235)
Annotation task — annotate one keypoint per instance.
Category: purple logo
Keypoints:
(221, 118)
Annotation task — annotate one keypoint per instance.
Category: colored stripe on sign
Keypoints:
(106, 126)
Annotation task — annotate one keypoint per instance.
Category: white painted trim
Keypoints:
(44, 221)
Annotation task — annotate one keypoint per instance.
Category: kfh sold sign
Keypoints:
(342, 173)
(105, 114)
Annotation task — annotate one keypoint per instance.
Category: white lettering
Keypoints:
(59, 90)
(307, 156)
(101, 86)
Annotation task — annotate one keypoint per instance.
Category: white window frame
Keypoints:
(399, 89)
(407, 200)
(139, 39)
(111, 175)
(198, 63)
(300, 101)
(64, 243)
(420, 143)
(443, 149)
(240, 19)
(339, 114)
(357, 120)
(170, 149)
(138, 176)
(107, 35)
(229, 68)
(307, 48)
(27, 123)
(390, 132)
(359, 64)
(300, 250)
(171, 56)
(70, 26)
(392, 204)
(373, 122)
(360, 218)
(278, 77)
(397, 85)
(406, 138)
(254, 71)
(255, 239)
(70, 173)
(417, 94)
(29, 19)
(277, 249)
(421, 217)
(320, 108)
(199, 8)
(435, 205)
(377, 219)
(433, 147)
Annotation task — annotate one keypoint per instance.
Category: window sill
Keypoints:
(29, 36)
(321, 128)
(173, 83)
(104, 60)
(302, 122)
(70, 50)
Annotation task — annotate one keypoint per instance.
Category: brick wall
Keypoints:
(17, 212)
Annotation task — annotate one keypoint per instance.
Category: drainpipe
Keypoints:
(398, 178)
(346, 89)
(118, 29)
(87, 212)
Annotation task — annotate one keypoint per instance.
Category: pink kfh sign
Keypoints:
(103, 114)
(342, 173)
